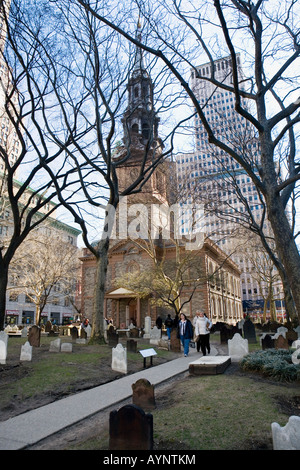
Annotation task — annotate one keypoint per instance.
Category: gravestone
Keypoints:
(55, 345)
(66, 347)
(74, 333)
(288, 436)
(24, 332)
(130, 428)
(147, 328)
(155, 333)
(282, 331)
(225, 333)
(297, 331)
(291, 336)
(48, 327)
(88, 330)
(112, 336)
(83, 333)
(34, 336)
(175, 344)
(131, 345)
(249, 331)
(296, 356)
(143, 394)
(281, 343)
(267, 342)
(3, 347)
(296, 344)
(26, 352)
(119, 359)
(237, 347)
(134, 332)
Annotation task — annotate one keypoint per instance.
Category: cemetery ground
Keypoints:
(229, 411)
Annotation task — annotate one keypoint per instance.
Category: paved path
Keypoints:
(31, 427)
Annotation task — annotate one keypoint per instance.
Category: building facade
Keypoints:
(213, 178)
(222, 301)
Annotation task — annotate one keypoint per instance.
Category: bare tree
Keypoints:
(44, 267)
(73, 74)
(267, 35)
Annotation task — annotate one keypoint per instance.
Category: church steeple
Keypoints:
(140, 122)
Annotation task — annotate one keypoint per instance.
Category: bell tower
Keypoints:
(141, 142)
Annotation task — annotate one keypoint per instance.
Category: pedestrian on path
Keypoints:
(185, 333)
(202, 329)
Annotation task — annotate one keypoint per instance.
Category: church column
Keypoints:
(118, 314)
(138, 313)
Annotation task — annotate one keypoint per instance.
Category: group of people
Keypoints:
(200, 332)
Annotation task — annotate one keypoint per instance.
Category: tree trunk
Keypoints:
(287, 248)
(3, 289)
(100, 281)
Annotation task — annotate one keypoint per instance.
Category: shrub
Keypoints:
(275, 363)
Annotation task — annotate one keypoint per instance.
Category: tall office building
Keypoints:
(211, 177)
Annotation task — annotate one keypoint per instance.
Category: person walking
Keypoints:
(202, 329)
(185, 333)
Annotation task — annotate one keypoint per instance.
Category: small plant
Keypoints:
(275, 363)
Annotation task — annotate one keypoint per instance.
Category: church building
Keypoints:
(216, 291)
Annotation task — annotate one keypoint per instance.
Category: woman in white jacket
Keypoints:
(202, 329)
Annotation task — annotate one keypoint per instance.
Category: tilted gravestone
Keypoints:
(249, 331)
(3, 346)
(143, 394)
(34, 336)
(130, 428)
(281, 343)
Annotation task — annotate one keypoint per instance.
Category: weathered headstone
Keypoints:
(119, 359)
(147, 328)
(296, 344)
(131, 345)
(3, 347)
(66, 347)
(112, 336)
(291, 336)
(134, 332)
(55, 345)
(24, 332)
(225, 333)
(282, 331)
(74, 333)
(34, 336)
(88, 330)
(297, 331)
(249, 331)
(237, 347)
(130, 428)
(143, 394)
(48, 326)
(26, 352)
(296, 356)
(288, 436)
(175, 344)
(267, 342)
(281, 343)
(155, 334)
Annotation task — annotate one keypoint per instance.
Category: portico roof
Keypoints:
(120, 292)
